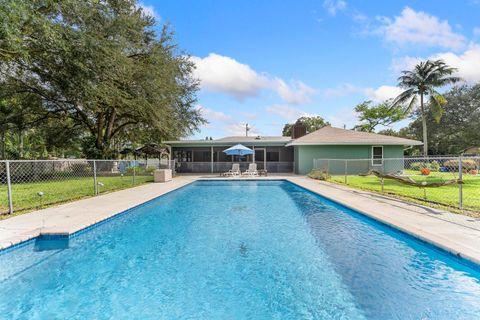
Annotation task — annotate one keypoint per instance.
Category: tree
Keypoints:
(458, 128)
(402, 133)
(407, 134)
(311, 123)
(383, 114)
(17, 18)
(420, 82)
(100, 64)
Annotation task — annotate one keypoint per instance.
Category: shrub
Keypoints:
(425, 171)
(417, 165)
(434, 166)
(467, 164)
(319, 174)
(141, 170)
(150, 169)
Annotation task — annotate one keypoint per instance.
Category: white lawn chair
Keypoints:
(252, 170)
(235, 171)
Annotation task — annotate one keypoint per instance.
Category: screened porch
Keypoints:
(274, 159)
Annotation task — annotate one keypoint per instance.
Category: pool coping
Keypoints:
(313, 186)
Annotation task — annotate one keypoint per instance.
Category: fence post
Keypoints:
(9, 187)
(95, 186)
(382, 181)
(346, 171)
(211, 159)
(134, 165)
(460, 177)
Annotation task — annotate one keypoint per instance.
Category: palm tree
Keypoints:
(422, 81)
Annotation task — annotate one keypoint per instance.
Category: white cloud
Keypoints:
(360, 17)
(419, 28)
(333, 6)
(229, 124)
(298, 92)
(467, 63)
(238, 129)
(405, 63)
(344, 117)
(379, 94)
(223, 74)
(148, 10)
(211, 114)
(382, 93)
(286, 112)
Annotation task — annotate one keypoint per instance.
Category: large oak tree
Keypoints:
(100, 64)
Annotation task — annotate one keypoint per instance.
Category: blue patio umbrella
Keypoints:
(238, 150)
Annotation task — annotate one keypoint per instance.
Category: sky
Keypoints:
(266, 63)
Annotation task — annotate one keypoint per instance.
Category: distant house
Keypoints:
(287, 154)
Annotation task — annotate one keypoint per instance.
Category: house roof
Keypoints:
(254, 138)
(323, 136)
(277, 140)
(337, 136)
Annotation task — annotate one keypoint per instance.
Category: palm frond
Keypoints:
(436, 101)
(427, 75)
(440, 74)
(403, 97)
(412, 104)
(447, 80)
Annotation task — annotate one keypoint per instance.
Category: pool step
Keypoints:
(50, 240)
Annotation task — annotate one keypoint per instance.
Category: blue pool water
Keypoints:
(237, 250)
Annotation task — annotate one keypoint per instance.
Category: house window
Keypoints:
(377, 155)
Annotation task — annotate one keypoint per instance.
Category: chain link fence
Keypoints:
(429, 180)
(34, 184)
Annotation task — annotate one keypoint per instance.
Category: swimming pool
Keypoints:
(237, 250)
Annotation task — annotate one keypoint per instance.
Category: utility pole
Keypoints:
(247, 128)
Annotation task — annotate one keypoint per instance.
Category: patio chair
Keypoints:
(235, 171)
(252, 170)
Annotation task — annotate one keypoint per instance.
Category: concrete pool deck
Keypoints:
(454, 233)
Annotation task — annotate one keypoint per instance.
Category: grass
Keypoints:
(446, 196)
(26, 198)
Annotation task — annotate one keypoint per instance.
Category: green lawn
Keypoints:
(25, 195)
(448, 195)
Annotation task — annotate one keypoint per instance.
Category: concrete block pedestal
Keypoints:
(162, 175)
